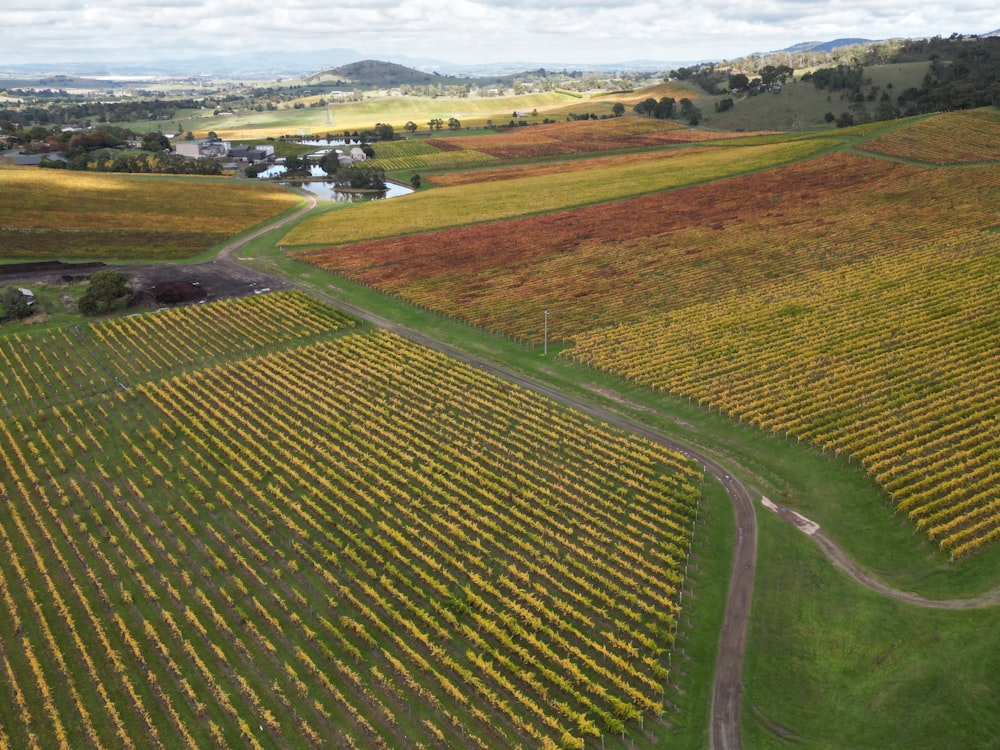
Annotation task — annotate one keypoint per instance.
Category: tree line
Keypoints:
(964, 73)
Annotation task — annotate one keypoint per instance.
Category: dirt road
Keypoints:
(227, 272)
(840, 560)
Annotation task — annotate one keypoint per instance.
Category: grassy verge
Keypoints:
(701, 621)
(833, 665)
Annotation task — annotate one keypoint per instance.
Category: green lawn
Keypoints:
(833, 665)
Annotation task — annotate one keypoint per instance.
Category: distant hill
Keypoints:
(825, 46)
(385, 75)
(376, 73)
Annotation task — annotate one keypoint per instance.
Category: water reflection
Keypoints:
(326, 190)
(279, 169)
(327, 142)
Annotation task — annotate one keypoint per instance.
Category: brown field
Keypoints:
(60, 213)
(620, 260)
(582, 136)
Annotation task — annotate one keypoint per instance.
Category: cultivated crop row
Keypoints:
(139, 347)
(638, 284)
(627, 260)
(582, 136)
(60, 213)
(949, 138)
(387, 550)
(458, 159)
(44, 369)
(449, 207)
(892, 362)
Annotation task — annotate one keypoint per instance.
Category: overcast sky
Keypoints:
(467, 31)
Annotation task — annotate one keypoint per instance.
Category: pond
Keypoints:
(279, 169)
(325, 189)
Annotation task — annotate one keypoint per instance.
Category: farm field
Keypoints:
(838, 276)
(395, 110)
(677, 248)
(49, 213)
(438, 209)
(934, 139)
(582, 136)
(261, 522)
(450, 152)
(390, 548)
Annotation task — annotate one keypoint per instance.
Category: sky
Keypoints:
(467, 31)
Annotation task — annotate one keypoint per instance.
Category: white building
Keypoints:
(203, 148)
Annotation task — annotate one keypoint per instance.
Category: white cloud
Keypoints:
(468, 30)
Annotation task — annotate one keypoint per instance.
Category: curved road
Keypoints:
(727, 691)
(840, 560)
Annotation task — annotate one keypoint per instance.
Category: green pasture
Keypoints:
(336, 117)
(832, 665)
(800, 106)
(448, 207)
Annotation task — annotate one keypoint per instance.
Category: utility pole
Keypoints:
(545, 335)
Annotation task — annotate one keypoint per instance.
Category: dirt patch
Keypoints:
(183, 284)
(166, 284)
(615, 397)
(176, 292)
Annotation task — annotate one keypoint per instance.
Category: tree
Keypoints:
(664, 109)
(618, 109)
(738, 82)
(410, 127)
(155, 142)
(103, 291)
(690, 112)
(645, 107)
(772, 75)
(454, 124)
(360, 177)
(13, 304)
(415, 182)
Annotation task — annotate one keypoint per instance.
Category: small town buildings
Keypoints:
(203, 148)
(33, 160)
(251, 154)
